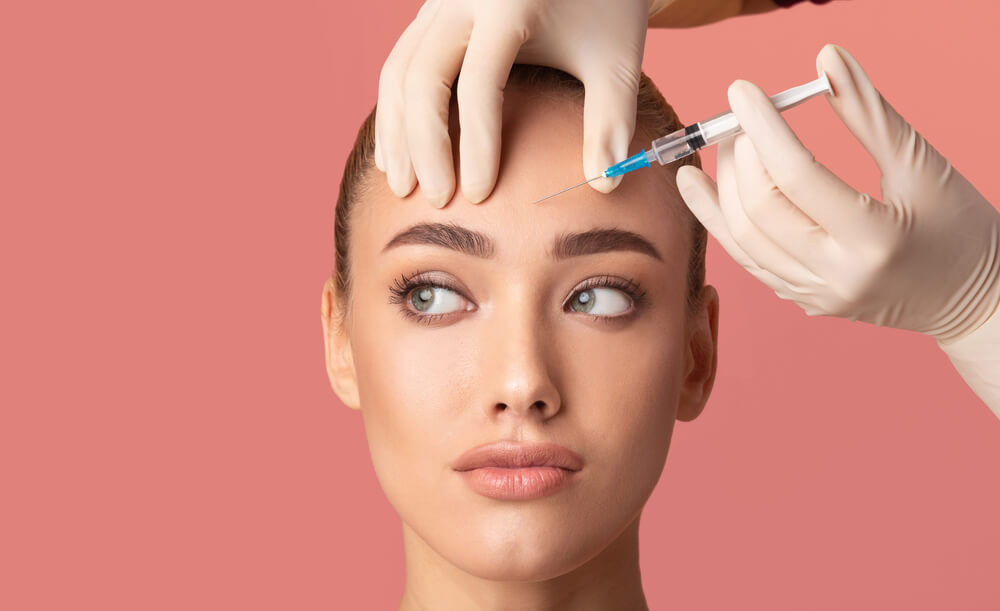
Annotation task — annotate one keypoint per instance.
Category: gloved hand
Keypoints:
(599, 42)
(925, 258)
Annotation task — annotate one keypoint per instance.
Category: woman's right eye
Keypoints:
(429, 299)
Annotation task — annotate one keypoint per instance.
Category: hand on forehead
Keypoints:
(542, 140)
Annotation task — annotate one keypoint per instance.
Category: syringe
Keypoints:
(686, 141)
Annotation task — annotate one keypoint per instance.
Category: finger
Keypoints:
(781, 221)
(390, 143)
(427, 88)
(887, 137)
(391, 154)
(762, 250)
(493, 46)
(702, 198)
(608, 121)
(824, 197)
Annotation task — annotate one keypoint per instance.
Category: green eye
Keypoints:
(601, 302)
(445, 300)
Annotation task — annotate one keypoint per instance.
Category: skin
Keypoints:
(691, 13)
(512, 360)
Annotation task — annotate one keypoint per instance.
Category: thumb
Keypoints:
(887, 136)
(608, 122)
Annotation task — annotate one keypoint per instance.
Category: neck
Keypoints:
(609, 580)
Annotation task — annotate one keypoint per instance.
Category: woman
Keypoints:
(519, 367)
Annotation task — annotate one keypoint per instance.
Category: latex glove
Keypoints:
(598, 41)
(925, 258)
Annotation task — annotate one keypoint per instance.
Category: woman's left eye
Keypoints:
(429, 299)
(601, 302)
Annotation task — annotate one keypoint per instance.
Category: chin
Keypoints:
(539, 564)
(516, 548)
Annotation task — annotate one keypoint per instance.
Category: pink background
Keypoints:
(168, 438)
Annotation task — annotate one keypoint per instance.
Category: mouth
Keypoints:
(519, 484)
(508, 470)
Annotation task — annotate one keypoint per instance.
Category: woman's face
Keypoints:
(515, 338)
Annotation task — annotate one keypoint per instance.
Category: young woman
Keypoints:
(519, 366)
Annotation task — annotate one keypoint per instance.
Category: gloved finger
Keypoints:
(391, 153)
(608, 120)
(427, 88)
(493, 46)
(891, 141)
(774, 215)
(390, 83)
(702, 198)
(762, 250)
(821, 194)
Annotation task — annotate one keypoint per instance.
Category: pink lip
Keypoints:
(511, 470)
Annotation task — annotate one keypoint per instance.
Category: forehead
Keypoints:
(542, 144)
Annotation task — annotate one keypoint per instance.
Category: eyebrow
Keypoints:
(565, 245)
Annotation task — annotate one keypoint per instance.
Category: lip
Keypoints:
(510, 470)
(518, 455)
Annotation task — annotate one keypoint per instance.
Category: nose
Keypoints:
(518, 362)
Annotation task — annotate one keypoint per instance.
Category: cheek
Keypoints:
(623, 374)
(628, 390)
(406, 381)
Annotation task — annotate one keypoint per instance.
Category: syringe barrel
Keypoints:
(686, 141)
(719, 127)
(725, 125)
(676, 145)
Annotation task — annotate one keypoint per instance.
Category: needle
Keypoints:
(568, 188)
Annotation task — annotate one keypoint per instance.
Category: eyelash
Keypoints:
(404, 285)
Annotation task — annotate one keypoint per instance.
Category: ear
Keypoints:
(702, 353)
(337, 347)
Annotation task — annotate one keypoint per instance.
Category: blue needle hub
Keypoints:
(639, 160)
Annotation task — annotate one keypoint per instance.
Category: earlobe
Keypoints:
(702, 354)
(337, 348)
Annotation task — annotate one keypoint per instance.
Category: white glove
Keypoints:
(598, 41)
(925, 258)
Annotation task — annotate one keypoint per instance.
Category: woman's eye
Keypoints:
(601, 302)
(435, 300)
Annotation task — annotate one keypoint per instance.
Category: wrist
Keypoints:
(691, 13)
(986, 334)
(980, 298)
(655, 6)
(976, 357)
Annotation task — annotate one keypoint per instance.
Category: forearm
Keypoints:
(977, 359)
(690, 13)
